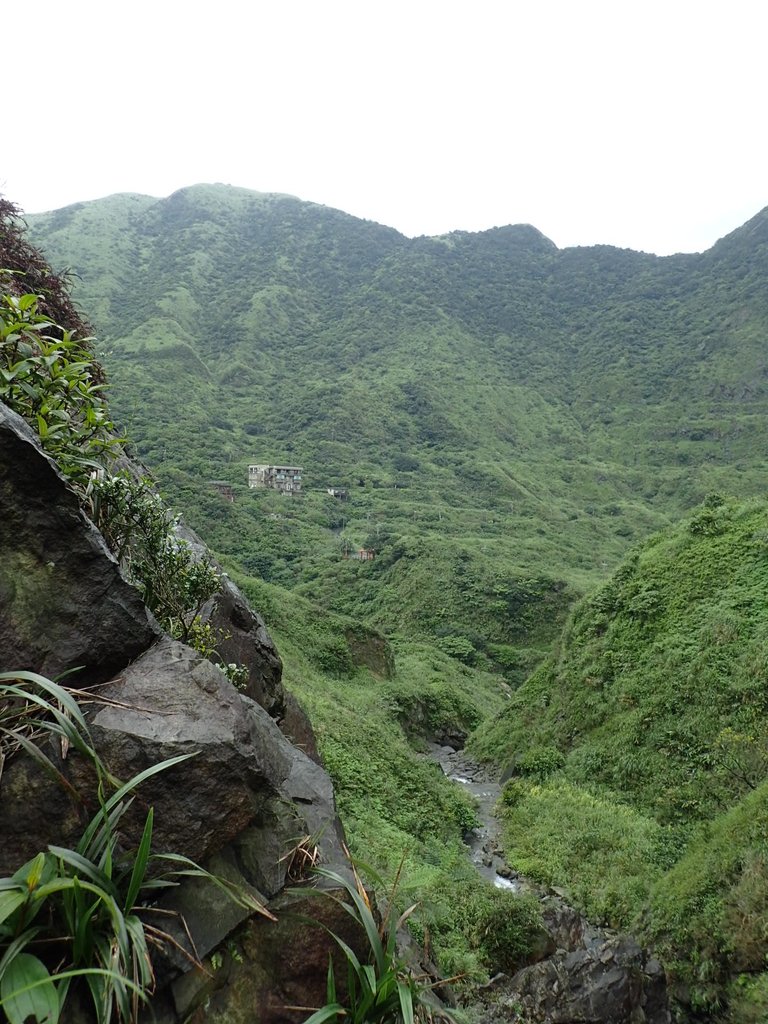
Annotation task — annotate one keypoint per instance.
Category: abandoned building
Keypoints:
(286, 479)
(338, 492)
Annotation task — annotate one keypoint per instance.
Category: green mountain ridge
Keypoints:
(582, 397)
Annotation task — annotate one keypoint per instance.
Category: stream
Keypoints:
(483, 841)
(583, 972)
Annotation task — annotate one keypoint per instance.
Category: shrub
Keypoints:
(501, 928)
(539, 762)
(49, 377)
(513, 792)
(457, 647)
(141, 531)
(503, 925)
(433, 708)
(329, 651)
(749, 999)
(709, 913)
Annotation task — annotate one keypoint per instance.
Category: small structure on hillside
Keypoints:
(338, 492)
(362, 554)
(225, 489)
(285, 479)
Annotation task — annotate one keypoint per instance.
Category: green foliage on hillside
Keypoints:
(48, 376)
(509, 419)
(370, 720)
(394, 800)
(654, 812)
(492, 403)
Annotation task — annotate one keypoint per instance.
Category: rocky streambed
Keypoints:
(587, 974)
(483, 841)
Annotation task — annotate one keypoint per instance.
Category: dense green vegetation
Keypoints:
(496, 407)
(638, 753)
(45, 369)
(509, 420)
(394, 801)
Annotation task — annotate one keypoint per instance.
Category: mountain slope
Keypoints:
(638, 754)
(508, 419)
(486, 396)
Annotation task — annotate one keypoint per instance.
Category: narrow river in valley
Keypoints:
(483, 841)
(582, 972)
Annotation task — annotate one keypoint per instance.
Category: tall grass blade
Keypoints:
(360, 912)
(330, 982)
(84, 867)
(15, 947)
(237, 894)
(127, 788)
(406, 1001)
(10, 901)
(140, 862)
(43, 760)
(93, 846)
(332, 1010)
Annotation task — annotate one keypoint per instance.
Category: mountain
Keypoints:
(508, 417)
(86, 543)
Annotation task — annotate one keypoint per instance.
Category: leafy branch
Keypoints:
(49, 377)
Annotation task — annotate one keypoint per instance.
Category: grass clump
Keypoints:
(606, 853)
(382, 990)
(486, 931)
(76, 915)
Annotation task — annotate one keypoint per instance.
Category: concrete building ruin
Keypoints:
(285, 479)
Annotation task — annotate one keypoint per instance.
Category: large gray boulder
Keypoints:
(615, 983)
(173, 701)
(239, 806)
(594, 977)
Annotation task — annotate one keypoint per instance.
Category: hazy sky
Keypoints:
(638, 124)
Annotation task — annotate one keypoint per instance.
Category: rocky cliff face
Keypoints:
(239, 806)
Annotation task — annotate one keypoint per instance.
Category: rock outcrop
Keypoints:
(239, 806)
(63, 601)
(592, 977)
(613, 984)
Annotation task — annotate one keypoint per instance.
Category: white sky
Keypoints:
(638, 124)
